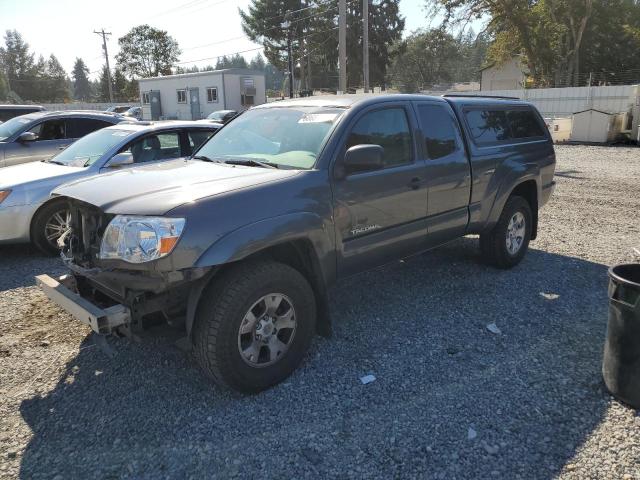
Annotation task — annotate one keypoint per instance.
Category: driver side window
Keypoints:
(388, 128)
(161, 146)
(50, 130)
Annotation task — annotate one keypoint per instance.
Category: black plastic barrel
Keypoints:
(621, 364)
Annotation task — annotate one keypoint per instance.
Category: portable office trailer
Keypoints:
(192, 96)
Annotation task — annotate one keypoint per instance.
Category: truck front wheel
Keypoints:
(506, 243)
(254, 325)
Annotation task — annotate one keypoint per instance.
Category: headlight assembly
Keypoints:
(4, 194)
(137, 239)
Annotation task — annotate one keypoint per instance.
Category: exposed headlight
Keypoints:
(140, 239)
(4, 194)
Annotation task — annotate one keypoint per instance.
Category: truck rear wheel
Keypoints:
(505, 245)
(254, 325)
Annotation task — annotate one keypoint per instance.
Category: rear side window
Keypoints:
(524, 124)
(388, 128)
(79, 127)
(488, 126)
(440, 132)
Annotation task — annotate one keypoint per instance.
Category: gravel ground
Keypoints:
(451, 399)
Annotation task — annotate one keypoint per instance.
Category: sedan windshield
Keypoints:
(13, 126)
(90, 148)
(280, 136)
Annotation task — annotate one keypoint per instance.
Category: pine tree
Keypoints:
(81, 85)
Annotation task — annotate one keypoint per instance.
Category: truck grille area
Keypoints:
(82, 243)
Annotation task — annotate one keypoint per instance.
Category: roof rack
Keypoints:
(463, 95)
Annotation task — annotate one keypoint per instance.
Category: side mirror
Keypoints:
(120, 160)
(27, 137)
(363, 158)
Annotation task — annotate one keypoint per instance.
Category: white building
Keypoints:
(192, 96)
(510, 75)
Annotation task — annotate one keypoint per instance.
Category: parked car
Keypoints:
(7, 112)
(222, 116)
(134, 112)
(26, 211)
(118, 108)
(39, 136)
(287, 198)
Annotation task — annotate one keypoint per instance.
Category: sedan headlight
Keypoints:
(140, 239)
(4, 194)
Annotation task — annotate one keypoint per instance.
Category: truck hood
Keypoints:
(32, 172)
(157, 188)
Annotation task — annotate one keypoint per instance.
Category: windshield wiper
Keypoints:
(204, 158)
(56, 162)
(251, 162)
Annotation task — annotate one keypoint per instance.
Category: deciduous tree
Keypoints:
(147, 52)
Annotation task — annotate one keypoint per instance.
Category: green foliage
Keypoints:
(434, 57)
(562, 42)
(235, 61)
(4, 87)
(314, 36)
(147, 52)
(56, 84)
(81, 84)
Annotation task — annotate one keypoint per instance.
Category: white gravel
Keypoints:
(451, 399)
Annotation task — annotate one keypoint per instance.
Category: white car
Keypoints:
(29, 214)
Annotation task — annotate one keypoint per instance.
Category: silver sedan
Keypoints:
(28, 214)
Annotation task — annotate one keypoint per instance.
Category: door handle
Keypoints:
(62, 147)
(414, 184)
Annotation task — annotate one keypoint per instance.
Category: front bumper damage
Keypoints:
(112, 296)
(101, 320)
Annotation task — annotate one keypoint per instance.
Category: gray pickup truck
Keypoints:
(240, 242)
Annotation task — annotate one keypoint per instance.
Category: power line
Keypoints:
(219, 56)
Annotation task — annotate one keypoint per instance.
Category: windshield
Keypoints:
(90, 148)
(13, 126)
(291, 137)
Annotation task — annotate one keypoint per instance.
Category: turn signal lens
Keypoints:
(4, 194)
(167, 244)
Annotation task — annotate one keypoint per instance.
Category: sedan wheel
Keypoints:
(58, 224)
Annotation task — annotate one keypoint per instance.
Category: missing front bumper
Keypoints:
(101, 320)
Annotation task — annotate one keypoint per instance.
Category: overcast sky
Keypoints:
(204, 29)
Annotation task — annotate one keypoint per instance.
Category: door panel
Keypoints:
(448, 172)
(380, 215)
(51, 140)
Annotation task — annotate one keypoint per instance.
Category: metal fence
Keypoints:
(83, 106)
(562, 102)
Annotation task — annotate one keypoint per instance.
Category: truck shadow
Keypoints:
(532, 394)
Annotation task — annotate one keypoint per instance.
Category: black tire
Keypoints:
(39, 226)
(222, 309)
(493, 244)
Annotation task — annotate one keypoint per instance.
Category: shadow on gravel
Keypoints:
(20, 263)
(531, 394)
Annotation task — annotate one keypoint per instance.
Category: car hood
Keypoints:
(157, 188)
(34, 171)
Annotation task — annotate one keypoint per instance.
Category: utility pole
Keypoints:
(106, 57)
(365, 43)
(342, 45)
(287, 24)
